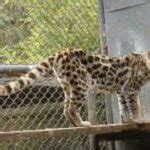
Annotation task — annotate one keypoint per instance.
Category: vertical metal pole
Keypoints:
(92, 117)
(104, 50)
(103, 44)
(91, 95)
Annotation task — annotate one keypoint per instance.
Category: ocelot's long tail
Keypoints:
(29, 78)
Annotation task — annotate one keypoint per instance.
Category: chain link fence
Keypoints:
(31, 30)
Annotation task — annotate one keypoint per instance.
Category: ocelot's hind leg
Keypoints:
(66, 91)
(77, 99)
(74, 89)
(72, 113)
(74, 116)
(72, 106)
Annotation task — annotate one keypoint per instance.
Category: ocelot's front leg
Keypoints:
(129, 107)
(123, 108)
(133, 103)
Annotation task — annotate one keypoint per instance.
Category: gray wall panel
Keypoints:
(111, 5)
(129, 30)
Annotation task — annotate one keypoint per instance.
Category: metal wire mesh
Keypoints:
(30, 30)
(41, 106)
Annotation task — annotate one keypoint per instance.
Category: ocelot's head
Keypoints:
(142, 62)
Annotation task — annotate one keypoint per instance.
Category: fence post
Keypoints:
(104, 50)
(92, 117)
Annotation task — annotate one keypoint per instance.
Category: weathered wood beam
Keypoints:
(105, 132)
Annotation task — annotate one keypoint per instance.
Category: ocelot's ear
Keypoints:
(136, 53)
(148, 53)
(144, 54)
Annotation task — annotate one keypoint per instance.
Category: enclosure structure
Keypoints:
(43, 25)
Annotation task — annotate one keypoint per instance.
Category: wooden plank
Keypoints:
(105, 132)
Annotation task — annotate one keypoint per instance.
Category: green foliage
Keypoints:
(34, 29)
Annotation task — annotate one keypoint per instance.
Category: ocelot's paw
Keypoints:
(85, 124)
(2, 90)
(136, 121)
(125, 119)
(132, 121)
